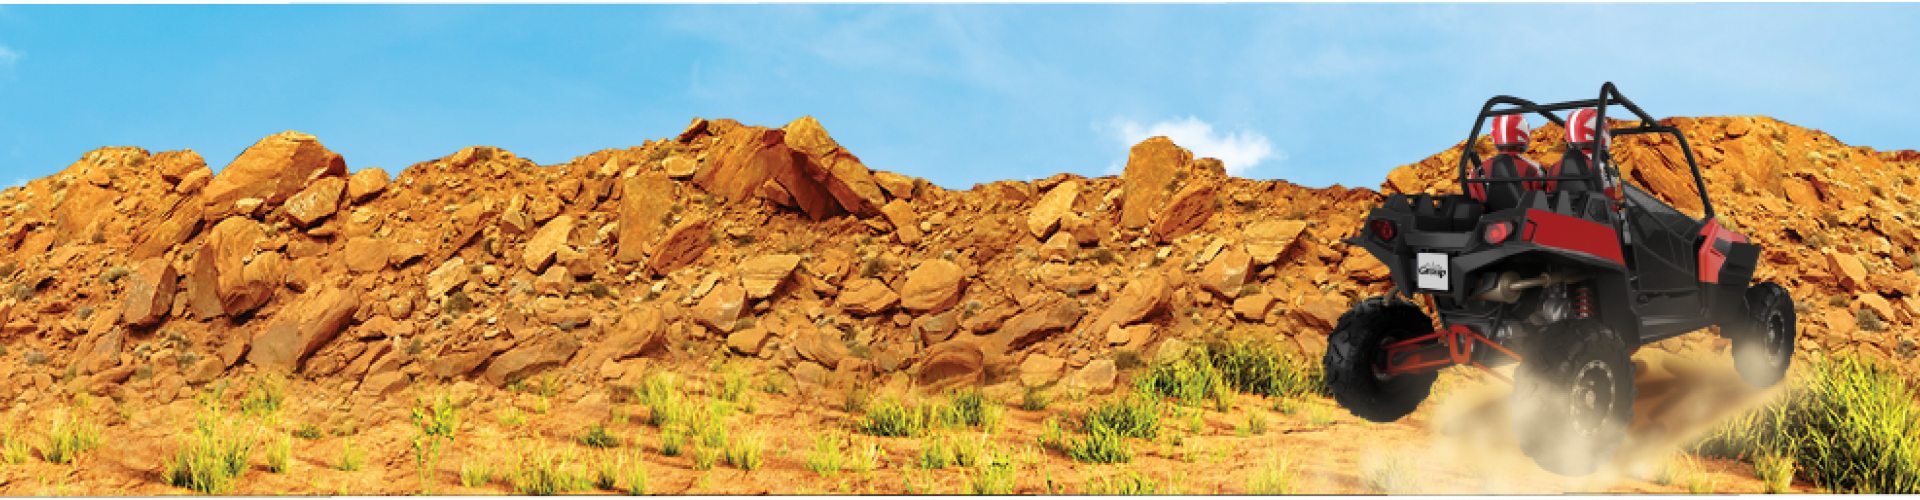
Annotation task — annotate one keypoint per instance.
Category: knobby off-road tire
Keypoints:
(1573, 396)
(1354, 349)
(1763, 342)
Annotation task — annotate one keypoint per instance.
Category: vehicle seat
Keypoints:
(1578, 160)
(1504, 195)
(1510, 137)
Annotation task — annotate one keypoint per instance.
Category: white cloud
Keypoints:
(8, 56)
(1240, 151)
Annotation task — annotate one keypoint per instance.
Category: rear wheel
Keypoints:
(1763, 343)
(1573, 396)
(1354, 352)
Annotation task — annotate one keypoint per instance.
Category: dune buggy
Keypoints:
(1564, 270)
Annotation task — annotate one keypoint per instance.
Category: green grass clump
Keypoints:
(308, 432)
(745, 453)
(69, 437)
(668, 409)
(936, 453)
(280, 455)
(474, 474)
(1103, 445)
(1848, 424)
(704, 457)
(1256, 425)
(974, 409)
(14, 450)
(1273, 478)
(672, 442)
(865, 458)
(438, 418)
(598, 437)
(212, 458)
(634, 473)
(606, 473)
(549, 473)
(732, 385)
(512, 417)
(991, 479)
(1189, 379)
(1034, 400)
(891, 418)
(1775, 472)
(265, 395)
(1125, 483)
(1135, 415)
(826, 457)
(1320, 415)
(351, 457)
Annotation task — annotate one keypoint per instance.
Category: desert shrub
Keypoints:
(826, 457)
(1255, 365)
(456, 304)
(438, 418)
(1103, 445)
(265, 395)
(974, 409)
(212, 458)
(1273, 478)
(113, 274)
(280, 455)
(1135, 415)
(1125, 483)
(1868, 320)
(1849, 425)
(548, 473)
(474, 474)
(69, 437)
(1034, 400)
(745, 453)
(598, 437)
(891, 418)
(1189, 379)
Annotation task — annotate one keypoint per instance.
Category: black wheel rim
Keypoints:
(1591, 400)
(1779, 340)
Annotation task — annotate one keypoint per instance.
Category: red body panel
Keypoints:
(1710, 258)
(1576, 234)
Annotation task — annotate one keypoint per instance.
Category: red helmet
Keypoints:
(1510, 133)
(1582, 127)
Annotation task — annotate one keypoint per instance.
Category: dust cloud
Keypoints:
(1677, 398)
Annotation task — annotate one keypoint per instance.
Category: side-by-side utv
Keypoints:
(1563, 269)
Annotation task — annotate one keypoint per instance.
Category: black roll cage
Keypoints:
(1609, 96)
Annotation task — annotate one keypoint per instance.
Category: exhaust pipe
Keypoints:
(1508, 286)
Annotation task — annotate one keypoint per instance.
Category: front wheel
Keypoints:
(1763, 342)
(1573, 396)
(1354, 352)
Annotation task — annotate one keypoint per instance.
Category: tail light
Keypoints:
(1498, 232)
(1382, 228)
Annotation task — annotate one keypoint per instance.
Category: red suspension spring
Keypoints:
(1582, 302)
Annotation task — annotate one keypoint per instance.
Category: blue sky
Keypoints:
(1313, 93)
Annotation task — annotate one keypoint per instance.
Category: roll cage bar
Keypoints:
(1603, 159)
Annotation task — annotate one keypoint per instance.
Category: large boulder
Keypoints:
(867, 297)
(764, 274)
(232, 244)
(1268, 239)
(532, 356)
(303, 327)
(273, 169)
(547, 242)
(747, 157)
(1189, 210)
(645, 201)
(683, 244)
(1141, 298)
(933, 286)
(319, 200)
(366, 183)
(1045, 216)
(149, 292)
(182, 223)
(1156, 169)
(720, 308)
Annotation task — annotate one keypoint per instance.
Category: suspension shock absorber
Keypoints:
(1582, 302)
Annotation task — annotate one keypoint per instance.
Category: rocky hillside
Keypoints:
(138, 275)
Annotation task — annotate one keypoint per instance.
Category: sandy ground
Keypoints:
(1457, 442)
